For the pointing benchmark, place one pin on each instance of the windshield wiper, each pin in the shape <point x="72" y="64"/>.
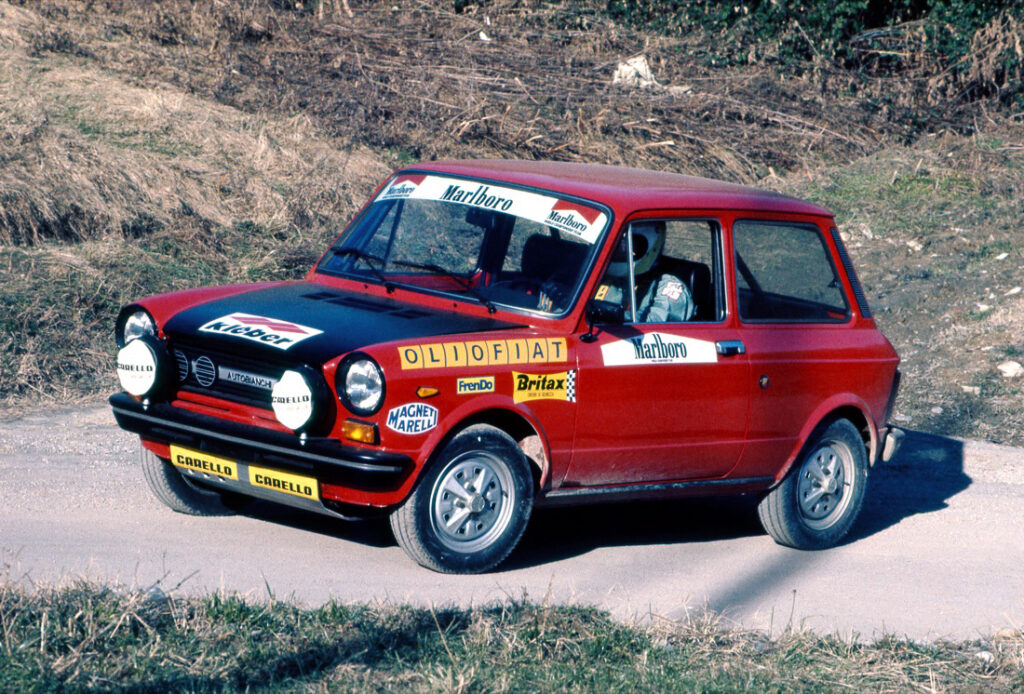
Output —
<point x="373" y="262"/>
<point x="466" y="284"/>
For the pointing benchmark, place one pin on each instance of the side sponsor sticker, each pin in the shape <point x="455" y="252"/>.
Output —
<point x="556" y="386"/>
<point x="296" y="485"/>
<point x="472" y="386"/>
<point x="533" y="350"/>
<point x="203" y="462"/>
<point x="412" y="418"/>
<point x="268" y="331"/>
<point x="658" y="348"/>
<point x="575" y="219"/>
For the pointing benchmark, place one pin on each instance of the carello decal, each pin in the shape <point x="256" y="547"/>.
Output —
<point x="658" y="348"/>
<point x="268" y="331"/>
<point x="472" y="386"/>
<point x="296" y="485"/>
<point x="532" y="350"/>
<point x="201" y="462"/>
<point x="412" y="418"/>
<point x="556" y="386"/>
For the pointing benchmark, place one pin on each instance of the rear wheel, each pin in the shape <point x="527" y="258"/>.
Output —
<point x="471" y="506"/>
<point x="177" y="492"/>
<point x="821" y="497"/>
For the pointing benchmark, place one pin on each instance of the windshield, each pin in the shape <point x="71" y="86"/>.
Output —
<point x="480" y="242"/>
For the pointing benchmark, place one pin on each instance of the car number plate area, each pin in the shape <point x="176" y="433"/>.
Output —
<point x="204" y="462"/>
<point x="296" y="485"/>
<point x="265" y="478"/>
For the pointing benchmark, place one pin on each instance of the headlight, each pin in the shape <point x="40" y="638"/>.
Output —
<point x="132" y="324"/>
<point x="360" y="384"/>
<point x="140" y="366"/>
<point x="292" y="400"/>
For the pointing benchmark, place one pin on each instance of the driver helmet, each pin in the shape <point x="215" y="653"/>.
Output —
<point x="648" y="242"/>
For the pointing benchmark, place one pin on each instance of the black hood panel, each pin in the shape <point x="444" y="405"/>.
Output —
<point x="311" y="323"/>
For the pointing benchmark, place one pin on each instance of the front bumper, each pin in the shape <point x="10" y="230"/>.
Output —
<point x="326" y="459"/>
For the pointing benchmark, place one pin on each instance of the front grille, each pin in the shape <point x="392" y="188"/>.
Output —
<point x="226" y="375"/>
<point x="205" y="371"/>
<point x="183" y="365"/>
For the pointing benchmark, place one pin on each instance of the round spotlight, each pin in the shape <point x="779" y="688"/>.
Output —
<point x="292" y="400"/>
<point x="138" y="367"/>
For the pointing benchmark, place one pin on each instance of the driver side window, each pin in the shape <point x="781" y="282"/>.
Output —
<point x="674" y="276"/>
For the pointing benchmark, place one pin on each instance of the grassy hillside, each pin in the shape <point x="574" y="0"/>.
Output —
<point x="151" y="147"/>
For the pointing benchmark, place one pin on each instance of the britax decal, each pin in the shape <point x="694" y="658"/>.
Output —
<point x="556" y="386"/>
<point x="578" y="220"/>
<point x="658" y="348"/>
<point x="533" y="350"/>
<point x="268" y="331"/>
<point x="412" y="418"/>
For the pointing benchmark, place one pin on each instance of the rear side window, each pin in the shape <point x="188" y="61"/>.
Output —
<point x="784" y="274"/>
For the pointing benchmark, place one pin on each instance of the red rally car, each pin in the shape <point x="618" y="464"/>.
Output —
<point x="490" y="336"/>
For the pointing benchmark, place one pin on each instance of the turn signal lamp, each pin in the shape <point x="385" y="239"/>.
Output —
<point x="363" y="432"/>
<point x="426" y="391"/>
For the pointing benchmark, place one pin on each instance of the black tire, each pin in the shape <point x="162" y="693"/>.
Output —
<point x="819" y="500"/>
<point x="447" y="524"/>
<point x="176" y="492"/>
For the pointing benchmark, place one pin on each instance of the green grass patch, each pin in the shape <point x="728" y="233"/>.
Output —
<point x="86" y="637"/>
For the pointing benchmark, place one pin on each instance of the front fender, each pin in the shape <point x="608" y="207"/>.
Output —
<point x="839" y="405"/>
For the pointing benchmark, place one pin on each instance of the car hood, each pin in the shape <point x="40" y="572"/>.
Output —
<point x="309" y="322"/>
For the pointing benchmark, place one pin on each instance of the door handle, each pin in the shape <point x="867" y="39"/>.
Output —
<point x="729" y="348"/>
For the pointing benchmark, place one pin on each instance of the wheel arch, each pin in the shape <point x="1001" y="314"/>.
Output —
<point x="527" y="434"/>
<point x="850" y="409"/>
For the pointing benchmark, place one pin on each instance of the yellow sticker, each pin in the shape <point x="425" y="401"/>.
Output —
<point x="534" y="350"/>
<point x="602" y="292"/>
<point x="556" y="386"/>
<point x="296" y="485"/>
<point x="203" y="462"/>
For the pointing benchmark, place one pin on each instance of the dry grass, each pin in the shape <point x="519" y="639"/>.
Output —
<point x="83" y="637"/>
<point x="86" y="153"/>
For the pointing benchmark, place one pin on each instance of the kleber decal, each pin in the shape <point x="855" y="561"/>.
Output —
<point x="530" y="350"/>
<point x="658" y="348"/>
<point x="268" y="331"/>
<point x="556" y="386"/>
<point x="413" y="418"/>
<point x="575" y="219"/>
<point x="472" y="386"/>
<point x="296" y="485"/>
<point x="203" y="462"/>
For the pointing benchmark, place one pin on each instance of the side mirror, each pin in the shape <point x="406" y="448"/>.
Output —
<point x="602" y="312"/>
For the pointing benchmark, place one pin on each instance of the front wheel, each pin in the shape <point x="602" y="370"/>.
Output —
<point x="471" y="506"/>
<point x="178" y="493"/>
<point x="821" y="497"/>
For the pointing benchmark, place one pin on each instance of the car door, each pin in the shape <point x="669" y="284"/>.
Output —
<point x="662" y="396"/>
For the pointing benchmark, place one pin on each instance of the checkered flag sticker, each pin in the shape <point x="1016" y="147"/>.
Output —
<point x="570" y="386"/>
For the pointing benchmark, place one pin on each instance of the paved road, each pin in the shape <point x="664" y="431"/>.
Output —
<point x="939" y="552"/>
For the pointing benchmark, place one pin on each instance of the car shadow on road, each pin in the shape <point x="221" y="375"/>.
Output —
<point x="926" y="473"/>
<point x="928" y="470"/>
